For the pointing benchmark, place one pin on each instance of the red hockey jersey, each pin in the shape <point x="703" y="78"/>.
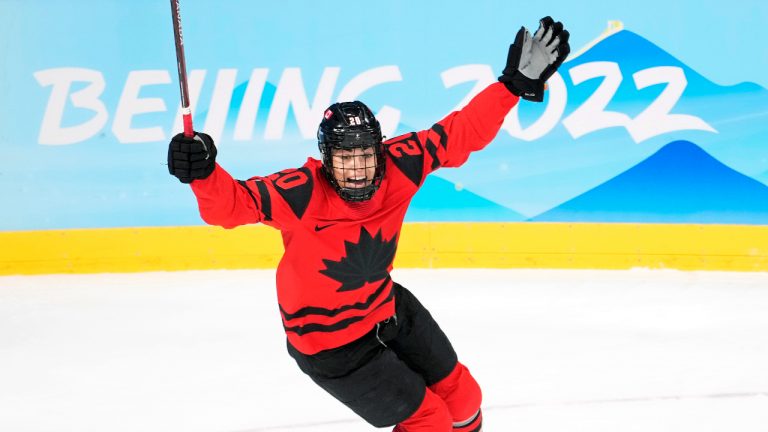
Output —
<point x="333" y="282"/>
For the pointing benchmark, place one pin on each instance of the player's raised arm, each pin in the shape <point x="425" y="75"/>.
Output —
<point x="531" y="60"/>
<point x="221" y="199"/>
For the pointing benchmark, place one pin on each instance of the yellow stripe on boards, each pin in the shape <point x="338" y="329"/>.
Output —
<point x="138" y="249"/>
<point x="422" y="245"/>
<point x="587" y="245"/>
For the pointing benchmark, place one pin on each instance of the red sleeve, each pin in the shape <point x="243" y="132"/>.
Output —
<point x="278" y="200"/>
<point x="449" y="142"/>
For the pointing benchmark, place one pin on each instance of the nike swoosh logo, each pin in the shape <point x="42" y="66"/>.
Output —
<point x="320" y="228"/>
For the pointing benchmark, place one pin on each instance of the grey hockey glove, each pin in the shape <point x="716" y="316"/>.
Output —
<point x="191" y="158"/>
<point x="532" y="60"/>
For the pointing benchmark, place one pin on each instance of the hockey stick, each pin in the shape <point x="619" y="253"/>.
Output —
<point x="186" y="111"/>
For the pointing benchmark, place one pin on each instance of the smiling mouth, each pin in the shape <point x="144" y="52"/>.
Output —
<point x="357" y="183"/>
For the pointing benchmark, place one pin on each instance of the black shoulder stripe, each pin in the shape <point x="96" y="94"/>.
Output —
<point x="432" y="148"/>
<point x="296" y="189"/>
<point x="266" y="200"/>
<point x="407" y="155"/>
<point x="440" y="131"/>
<point x="250" y="193"/>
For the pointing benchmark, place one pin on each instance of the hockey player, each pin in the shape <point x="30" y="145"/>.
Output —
<point x="358" y="334"/>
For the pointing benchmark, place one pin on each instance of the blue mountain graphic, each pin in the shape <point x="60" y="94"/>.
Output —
<point x="558" y="166"/>
<point x="439" y="200"/>
<point x="763" y="177"/>
<point x="679" y="183"/>
<point x="634" y="52"/>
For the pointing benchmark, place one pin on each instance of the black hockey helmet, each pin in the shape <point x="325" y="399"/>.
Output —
<point x="350" y="126"/>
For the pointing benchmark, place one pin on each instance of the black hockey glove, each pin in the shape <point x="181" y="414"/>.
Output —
<point x="532" y="60"/>
<point x="191" y="158"/>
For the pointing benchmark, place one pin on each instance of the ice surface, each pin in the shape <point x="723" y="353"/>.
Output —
<point x="596" y="351"/>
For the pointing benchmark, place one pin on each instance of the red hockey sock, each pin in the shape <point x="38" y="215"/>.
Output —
<point x="473" y="424"/>
<point x="432" y="416"/>
<point x="462" y="395"/>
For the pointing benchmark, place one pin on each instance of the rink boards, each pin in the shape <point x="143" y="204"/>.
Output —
<point x="422" y="245"/>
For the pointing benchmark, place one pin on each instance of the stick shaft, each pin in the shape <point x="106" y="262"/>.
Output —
<point x="186" y="111"/>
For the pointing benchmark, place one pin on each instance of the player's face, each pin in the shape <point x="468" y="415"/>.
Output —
<point x="354" y="168"/>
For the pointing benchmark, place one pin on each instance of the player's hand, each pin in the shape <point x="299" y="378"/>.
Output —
<point x="532" y="60"/>
<point x="191" y="158"/>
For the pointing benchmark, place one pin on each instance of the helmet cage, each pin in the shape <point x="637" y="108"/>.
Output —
<point x="350" y="126"/>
